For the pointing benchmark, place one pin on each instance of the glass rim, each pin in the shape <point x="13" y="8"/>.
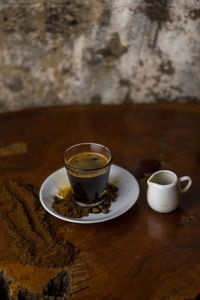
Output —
<point x="83" y="170"/>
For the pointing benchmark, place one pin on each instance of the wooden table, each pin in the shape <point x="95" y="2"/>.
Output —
<point x="141" y="254"/>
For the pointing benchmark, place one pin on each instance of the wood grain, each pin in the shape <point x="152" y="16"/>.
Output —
<point x="141" y="254"/>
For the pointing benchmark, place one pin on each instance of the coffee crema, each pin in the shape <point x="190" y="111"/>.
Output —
<point x="88" y="161"/>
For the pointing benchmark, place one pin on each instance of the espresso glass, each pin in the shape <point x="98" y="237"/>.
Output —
<point x="88" y="186"/>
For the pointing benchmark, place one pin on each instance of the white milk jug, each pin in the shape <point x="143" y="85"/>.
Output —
<point x="164" y="190"/>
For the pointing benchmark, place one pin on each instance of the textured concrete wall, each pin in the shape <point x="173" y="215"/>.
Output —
<point x="98" y="51"/>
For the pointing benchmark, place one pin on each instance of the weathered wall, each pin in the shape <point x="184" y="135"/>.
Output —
<point x="98" y="51"/>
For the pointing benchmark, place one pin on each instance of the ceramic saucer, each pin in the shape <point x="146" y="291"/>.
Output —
<point x="128" y="192"/>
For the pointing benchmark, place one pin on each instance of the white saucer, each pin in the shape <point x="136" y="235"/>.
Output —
<point x="127" y="194"/>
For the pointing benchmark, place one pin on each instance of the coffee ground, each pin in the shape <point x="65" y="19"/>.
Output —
<point x="67" y="206"/>
<point x="30" y="235"/>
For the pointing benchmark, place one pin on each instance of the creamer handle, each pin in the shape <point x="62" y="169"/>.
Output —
<point x="185" y="178"/>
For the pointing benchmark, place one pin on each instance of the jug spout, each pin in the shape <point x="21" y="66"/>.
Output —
<point x="151" y="179"/>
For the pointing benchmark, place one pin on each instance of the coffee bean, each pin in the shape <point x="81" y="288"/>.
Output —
<point x="105" y="210"/>
<point x="95" y="210"/>
<point x="106" y="202"/>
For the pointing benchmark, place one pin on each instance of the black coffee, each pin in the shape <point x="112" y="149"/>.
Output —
<point x="88" y="186"/>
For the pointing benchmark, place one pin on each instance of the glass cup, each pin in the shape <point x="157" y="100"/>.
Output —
<point x="88" y="186"/>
